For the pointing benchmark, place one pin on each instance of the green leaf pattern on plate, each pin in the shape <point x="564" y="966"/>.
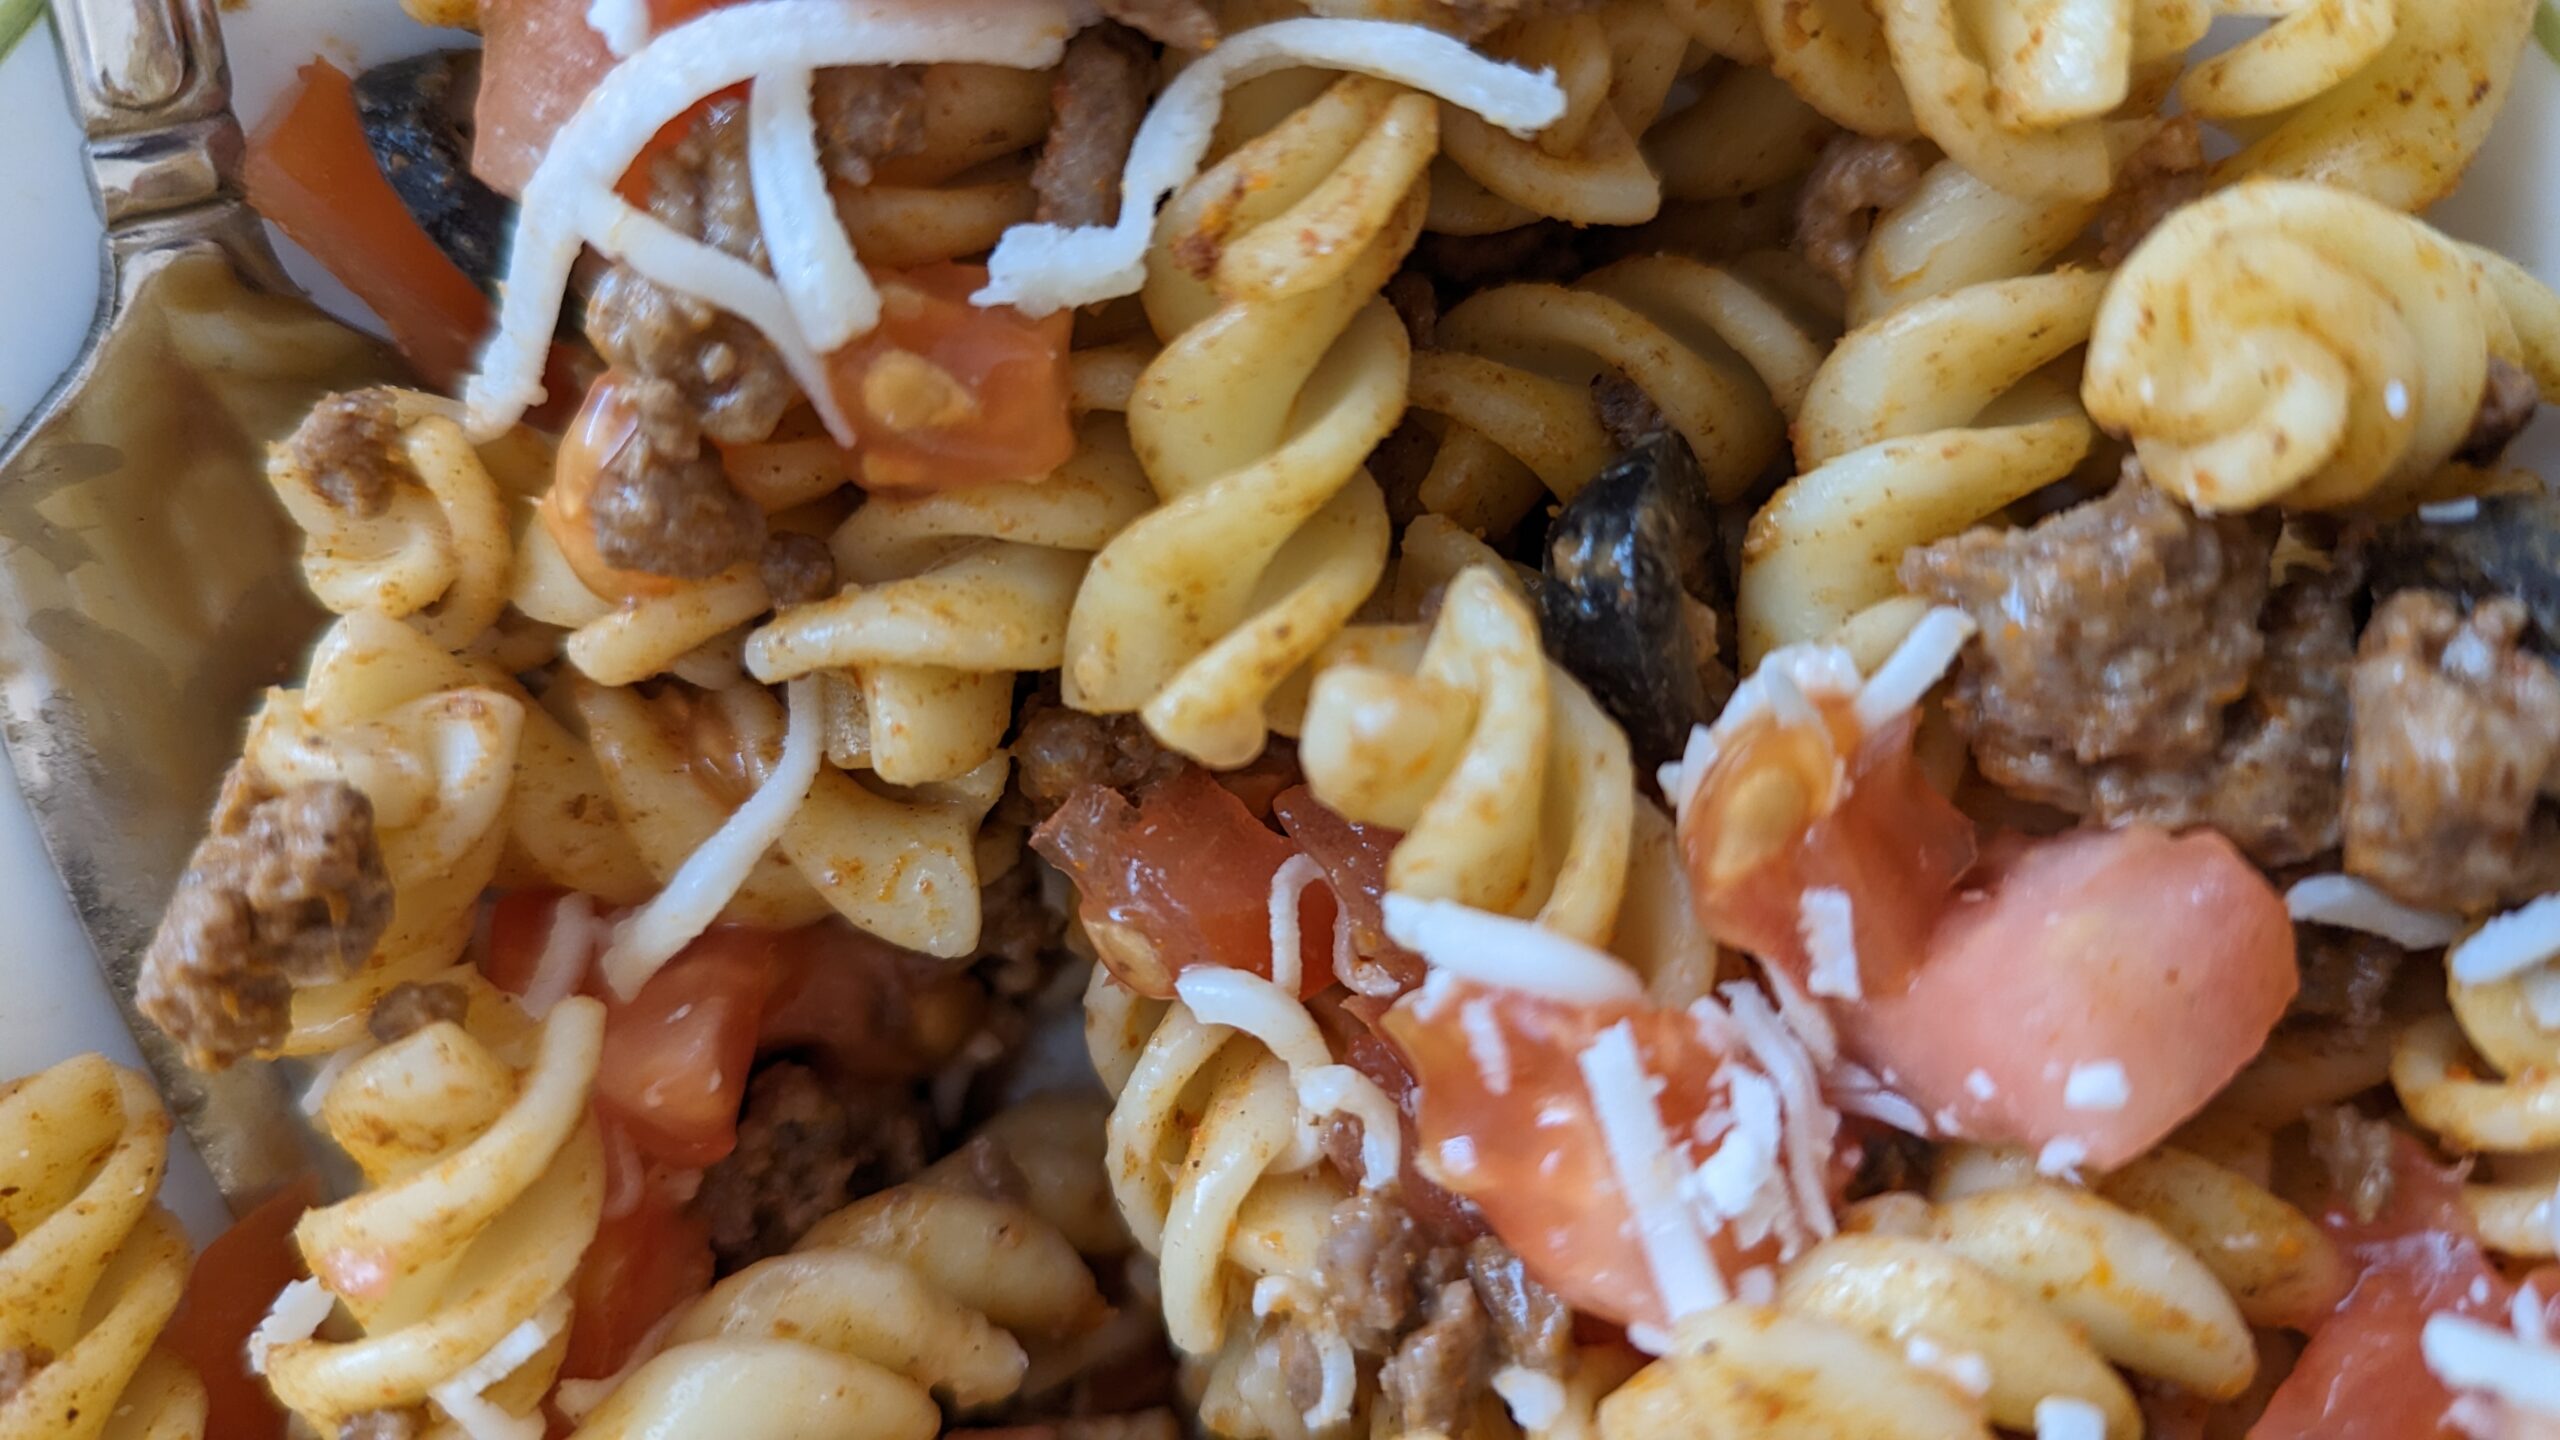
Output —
<point x="18" y="16"/>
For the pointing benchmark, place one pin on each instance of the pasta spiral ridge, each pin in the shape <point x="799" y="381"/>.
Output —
<point x="1723" y="351"/>
<point x="2510" y="1114"/>
<point x="1616" y="66"/>
<point x="97" y="1266"/>
<point x="900" y="862"/>
<point x="919" y="1291"/>
<point x="949" y="595"/>
<point x="380" y="709"/>
<point x="1920" y="424"/>
<point x="625" y="641"/>
<point x="432" y="549"/>
<point x="1282" y="372"/>
<point x="2282" y="342"/>
<point x="484" y="1184"/>
<point x="1944" y="1319"/>
<point x="1515" y="791"/>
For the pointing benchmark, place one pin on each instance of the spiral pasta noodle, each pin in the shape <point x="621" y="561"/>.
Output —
<point x="1616" y="66"/>
<point x="917" y="1292"/>
<point x="1284" y="369"/>
<point x="484" y="1183"/>
<point x="1919" y="425"/>
<point x="966" y="176"/>
<point x="1513" y="788"/>
<point x="2284" y="342"/>
<point x="951" y="594"/>
<point x="627" y="641"/>
<point x="2506" y="1113"/>
<point x="1724" y="352"/>
<point x="409" y="519"/>
<point x="437" y="760"/>
<point x="96" y="1266"/>
<point x="1945" y="1319"/>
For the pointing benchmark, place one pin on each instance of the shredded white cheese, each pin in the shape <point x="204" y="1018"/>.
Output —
<point x="567" y="947"/>
<point x="2067" y="1417"/>
<point x="2468" y="1355"/>
<point x="1288" y="884"/>
<point x="624" y="24"/>
<point x="1780" y="685"/>
<point x="1511" y="954"/>
<point x="570" y="201"/>
<point x="2096" y="1085"/>
<point x="1045" y="268"/>
<point x="1809" y="1124"/>
<point x="1648" y="1172"/>
<point x="2511" y="944"/>
<point x="1248" y="1003"/>
<point x="2062" y="1158"/>
<point x="463" y="1396"/>
<point x="1485" y="1044"/>
<point x="1534" y="1397"/>
<point x="1857" y="1091"/>
<point x="1979" y="1084"/>
<point x="1968" y="1370"/>
<point x="1916" y="665"/>
<point x="2348" y="903"/>
<point x="702" y="885"/>
<point x="316" y="1094"/>
<point x="832" y="300"/>
<point x="2450" y="512"/>
<point x="300" y="1309"/>
<point x="1827" y="925"/>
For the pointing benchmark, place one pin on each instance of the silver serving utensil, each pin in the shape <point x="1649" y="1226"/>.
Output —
<point x="150" y="587"/>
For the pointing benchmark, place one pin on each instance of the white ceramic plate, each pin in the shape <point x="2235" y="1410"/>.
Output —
<point x="54" y="1004"/>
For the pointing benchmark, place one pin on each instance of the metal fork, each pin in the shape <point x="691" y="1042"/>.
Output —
<point x="149" y="584"/>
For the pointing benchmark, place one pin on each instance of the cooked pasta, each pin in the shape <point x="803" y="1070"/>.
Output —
<point x="1281" y="370"/>
<point x="484" y="1182"/>
<point x="94" y="1266"/>
<point x="2503" y="1114"/>
<point x="1616" y="66"/>
<point x="2285" y="342"/>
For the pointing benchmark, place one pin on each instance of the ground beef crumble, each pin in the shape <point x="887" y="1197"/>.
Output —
<point x="1626" y="412"/>
<point x="18" y="1366"/>
<point x="2508" y="399"/>
<point x="797" y="568"/>
<point x="287" y="888"/>
<point x="1058" y="751"/>
<point x="2346" y="977"/>
<point x="1099" y="97"/>
<point x="384" y="1425"/>
<point x="408" y="1008"/>
<point x="349" y="446"/>
<point x="805" y="1150"/>
<point x="2454" y="757"/>
<point x="1857" y="177"/>
<point x="2164" y="172"/>
<point x="866" y="114"/>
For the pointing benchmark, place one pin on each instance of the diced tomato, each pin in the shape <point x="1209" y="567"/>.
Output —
<point x="2363" y="1377"/>
<point x="605" y="423"/>
<point x="519" y="927"/>
<point x="1354" y="858"/>
<point x="2165" y="959"/>
<point x="1518" y="1134"/>
<point x="641" y="1265"/>
<point x="876" y="1012"/>
<point x="539" y="58"/>
<point x="309" y="170"/>
<point x="1181" y="878"/>
<point x="228" y="1292"/>
<point x="944" y="393"/>
<point x="1778" y="817"/>
<point x="676" y="1057"/>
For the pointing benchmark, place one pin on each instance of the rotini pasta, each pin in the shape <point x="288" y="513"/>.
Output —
<point x="93" y="1266"/>
<point x="1616" y="66"/>
<point x="484" y="1184"/>
<point x="2504" y="1114"/>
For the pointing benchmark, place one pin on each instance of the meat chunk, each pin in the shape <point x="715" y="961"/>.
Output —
<point x="408" y="1008"/>
<point x="2164" y="172"/>
<point x="2507" y="402"/>
<point x="1183" y="24"/>
<point x="1368" y="1270"/>
<point x="2119" y="629"/>
<point x="2346" y="976"/>
<point x="2274" y="783"/>
<point x="2356" y="1153"/>
<point x="18" y="1365"/>
<point x="1432" y="1382"/>
<point x="797" y="568"/>
<point x="383" y="1425"/>
<point x="1532" y="1326"/>
<point x="1626" y="412"/>
<point x="866" y="114"/>
<point x="348" y="445"/>
<point x="662" y="504"/>
<point x="805" y="1151"/>
<point x="1099" y="98"/>
<point x="1856" y="177"/>
<point x="1059" y="751"/>
<point x="1416" y="304"/>
<point x="287" y="889"/>
<point x="2456" y="740"/>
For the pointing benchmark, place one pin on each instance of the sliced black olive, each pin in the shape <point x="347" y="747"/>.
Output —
<point x="2508" y="545"/>
<point x="416" y="115"/>
<point x="1623" y="562"/>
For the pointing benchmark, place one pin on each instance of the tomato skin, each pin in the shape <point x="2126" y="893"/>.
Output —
<point x="676" y="1056"/>
<point x="1532" y="1155"/>
<point x="1874" y="830"/>
<point x="1354" y="859"/>
<point x="640" y="1266"/>
<point x="228" y="1291"/>
<point x="1007" y="419"/>
<point x="873" y="1012"/>
<point x="1181" y="878"/>
<point x="2171" y="957"/>
<point x="539" y="59"/>
<point x="308" y="169"/>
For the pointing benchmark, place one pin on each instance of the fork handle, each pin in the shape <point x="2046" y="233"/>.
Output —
<point x="154" y="96"/>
